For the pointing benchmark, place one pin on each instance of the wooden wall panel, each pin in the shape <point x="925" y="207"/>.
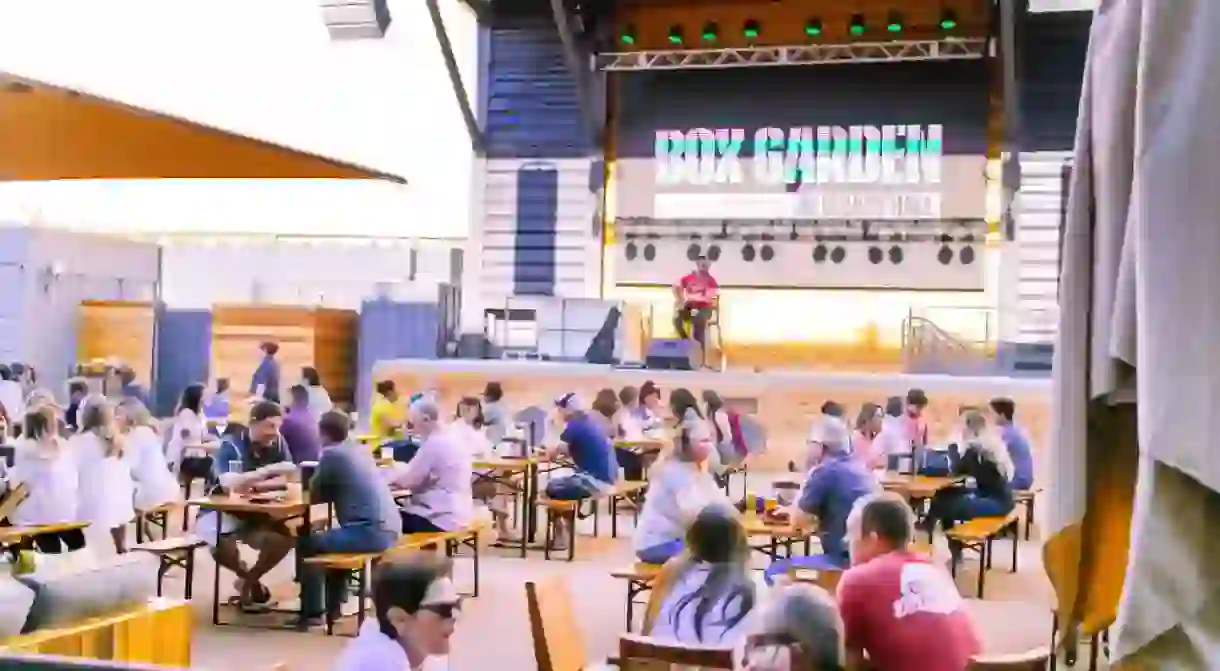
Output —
<point x="786" y="402"/>
<point x="119" y="330"/>
<point x="783" y="22"/>
<point x="324" y="339"/>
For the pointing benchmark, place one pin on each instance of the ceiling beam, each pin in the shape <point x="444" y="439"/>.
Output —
<point x="477" y="140"/>
<point x="577" y="64"/>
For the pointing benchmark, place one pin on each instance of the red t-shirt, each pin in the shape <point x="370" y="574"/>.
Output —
<point x="698" y="289"/>
<point x="907" y="615"/>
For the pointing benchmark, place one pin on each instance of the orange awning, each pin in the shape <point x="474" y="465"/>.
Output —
<point x="51" y="133"/>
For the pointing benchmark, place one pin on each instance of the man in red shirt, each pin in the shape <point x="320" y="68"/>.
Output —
<point x="898" y="608"/>
<point x="694" y="298"/>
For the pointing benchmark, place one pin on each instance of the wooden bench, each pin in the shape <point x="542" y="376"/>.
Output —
<point x="977" y="535"/>
<point x="361" y="563"/>
<point x="559" y="509"/>
<point x="157" y="516"/>
<point x="726" y="478"/>
<point x="157" y="632"/>
<point x="171" y="552"/>
<point x="1027" y="498"/>
<point x="639" y="578"/>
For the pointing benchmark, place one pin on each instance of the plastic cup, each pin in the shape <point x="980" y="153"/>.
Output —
<point x="235" y="466"/>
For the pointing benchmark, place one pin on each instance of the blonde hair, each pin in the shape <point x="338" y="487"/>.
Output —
<point x="136" y="414"/>
<point x="975" y="433"/>
<point x="40" y="422"/>
<point x="40" y="397"/>
<point x="97" y="416"/>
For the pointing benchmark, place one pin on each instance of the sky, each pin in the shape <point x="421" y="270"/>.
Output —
<point x="269" y="70"/>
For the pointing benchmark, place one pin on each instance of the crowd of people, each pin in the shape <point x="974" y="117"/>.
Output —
<point x="100" y="461"/>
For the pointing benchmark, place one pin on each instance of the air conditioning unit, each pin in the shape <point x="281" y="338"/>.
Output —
<point x="356" y="19"/>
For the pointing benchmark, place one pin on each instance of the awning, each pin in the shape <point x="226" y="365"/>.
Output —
<point x="52" y="133"/>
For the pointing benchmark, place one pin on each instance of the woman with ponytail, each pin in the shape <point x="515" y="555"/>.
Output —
<point x="107" y="486"/>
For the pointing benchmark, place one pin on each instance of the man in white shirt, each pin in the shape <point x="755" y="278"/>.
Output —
<point x="438" y="477"/>
<point x="12" y="399"/>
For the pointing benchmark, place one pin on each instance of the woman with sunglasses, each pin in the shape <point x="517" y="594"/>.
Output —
<point x="416" y="606"/>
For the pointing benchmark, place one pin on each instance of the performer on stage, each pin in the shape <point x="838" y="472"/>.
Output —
<point x="694" y="296"/>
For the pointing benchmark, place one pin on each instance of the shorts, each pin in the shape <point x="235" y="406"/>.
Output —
<point x="574" y="487"/>
<point x="244" y="531"/>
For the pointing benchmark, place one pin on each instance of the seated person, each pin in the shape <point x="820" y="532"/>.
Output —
<point x="438" y="477"/>
<point x="1003" y="410"/>
<point x="830" y="411"/>
<point x="831" y="489"/>
<point x="892" y="443"/>
<point x="708" y="593"/>
<point x="594" y="467"/>
<point x="695" y="298"/>
<point x="901" y="610"/>
<point x="78" y="390"/>
<point x="300" y="428"/>
<point x="868" y="427"/>
<point x="798" y="628"/>
<point x="251" y="461"/>
<point x="495" y="413"/>
<point x="991" y="494"/>
<point x="678" y="491"/>
<point x="386" y="417"/>
<point x="415" y="605"/>
<point x="218" y="405"/>
<point x="346" y="477"/>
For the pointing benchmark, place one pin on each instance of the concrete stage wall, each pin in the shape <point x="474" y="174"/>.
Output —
<point x="785" y="402"/>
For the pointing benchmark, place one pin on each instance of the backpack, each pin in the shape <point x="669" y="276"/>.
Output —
<point x="749" y="435"/>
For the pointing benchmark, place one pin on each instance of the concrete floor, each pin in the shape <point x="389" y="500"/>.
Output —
<point x="493" y="631"/>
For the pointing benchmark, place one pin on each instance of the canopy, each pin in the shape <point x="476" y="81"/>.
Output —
<point x="51" y="133"/>
<point x="1136" y="490"/>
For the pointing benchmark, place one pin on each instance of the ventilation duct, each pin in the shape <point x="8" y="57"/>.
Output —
<point x="356" y="19"/>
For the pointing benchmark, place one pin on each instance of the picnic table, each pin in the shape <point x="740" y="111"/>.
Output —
<point x="776" y="534"/>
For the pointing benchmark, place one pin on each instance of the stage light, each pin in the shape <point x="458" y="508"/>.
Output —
<point x="857" y="24"/>
<point x="893" y="22"/>
<point x="631" y="251"/>
<point x="628" y="35"/>
<point x="710" y="32"/>
<point x="650" y="252"/>
<point x="966" y="255"/>
<point x="945" y="255"/>
<point x="948" y="19"/>
<point x="747" y="253"/>
<point x="693" y="252"/>
<point x="767" y="253"/>
<point x="813" y="27"/>
<point x="895" y="255"/>
<point x="675" y="35"/>
<point x="820" y="253"/>
<point x="874" y="255"/>
<point x="713" y="253"/>
<point x="837" y="255"/>
<point x="751" y="29"/>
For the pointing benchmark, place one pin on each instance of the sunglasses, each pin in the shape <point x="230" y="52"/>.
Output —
<point x="445" y="611"/>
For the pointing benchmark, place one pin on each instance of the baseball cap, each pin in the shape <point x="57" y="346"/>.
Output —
<point x="570" y="401"/>
<point x="833" y="435"/>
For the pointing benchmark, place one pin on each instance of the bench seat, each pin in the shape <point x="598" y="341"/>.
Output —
<point x="639" y="577"/>
<point x="978" y="534"/>
<point x="569" y="508"/>
<point x="176" y="551"/>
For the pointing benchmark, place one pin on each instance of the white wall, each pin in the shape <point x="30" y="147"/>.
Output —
<point x="267" y="69"/>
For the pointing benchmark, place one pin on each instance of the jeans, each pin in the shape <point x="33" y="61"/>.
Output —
<point x="699" y="317"/>
<point x="661" y="553"/>
<point x="959" y="504"/>
<point x="1025" y="482"/>
<point x="314" y="582"/>
<point x="812" y="562"/>
<point x="573" y="487"/>
<point x="632" y="463"/>
<point x="417" y="524"/>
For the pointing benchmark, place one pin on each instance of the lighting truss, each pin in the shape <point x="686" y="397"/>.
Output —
<point x="905" y="230"/>
<point x="805" y="54"/>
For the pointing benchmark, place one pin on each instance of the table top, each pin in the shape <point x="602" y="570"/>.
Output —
<point x="16" y="534"/>
<point x="210" y="448"/>
<point x="241" y="504"/>
<point x="916" y="484"/>
<point x="641" y="444"/>
<point x="755" y="526"/>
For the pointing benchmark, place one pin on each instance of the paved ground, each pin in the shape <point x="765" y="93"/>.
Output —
<point x="494" y="630"/>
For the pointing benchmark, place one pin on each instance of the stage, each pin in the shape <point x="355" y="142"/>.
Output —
<point x="784" y="401"/>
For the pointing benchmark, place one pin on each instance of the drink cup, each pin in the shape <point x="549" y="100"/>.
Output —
<point x="235" y="466"/>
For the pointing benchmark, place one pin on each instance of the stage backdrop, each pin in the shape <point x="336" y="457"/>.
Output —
<point x="787" y="157"/>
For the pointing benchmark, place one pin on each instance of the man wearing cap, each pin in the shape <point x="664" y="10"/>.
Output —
<point x="595" y="468"/>
<point x="830" y="491"/>
<point x="694" y="298"/>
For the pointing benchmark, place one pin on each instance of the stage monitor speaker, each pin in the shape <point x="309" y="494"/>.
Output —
<point x="672" y="354"/>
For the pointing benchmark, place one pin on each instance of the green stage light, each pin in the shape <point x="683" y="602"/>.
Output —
<point x="751" y="29"/>
<point x="710" y="32"/>
<point x="628" y="35"/>
<point x="893" y="22"/>
<point x="857" y="24"/>
<point x="813" y="27"/>
<point x="948" y="19"/>
<point x="675" y="35"/>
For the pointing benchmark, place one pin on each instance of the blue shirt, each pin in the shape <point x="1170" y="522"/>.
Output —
<point x="591" y="449"/>
<point x="829" y="494"/>
<point x="237" y="448"/>
<point x="1020" y="454"/>
<point x="268" y="375"/>
<point x="348" y="477"/>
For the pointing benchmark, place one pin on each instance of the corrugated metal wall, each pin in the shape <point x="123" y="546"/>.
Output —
<point x="1053" y="53"/>
<point x="184" y="350"/>
<point x="392" y="330"/>
<point x="539" y="231"/>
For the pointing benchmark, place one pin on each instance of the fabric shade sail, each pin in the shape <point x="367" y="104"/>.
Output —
<point x="1136" y="491"/>
<point x="52" y="133"/>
